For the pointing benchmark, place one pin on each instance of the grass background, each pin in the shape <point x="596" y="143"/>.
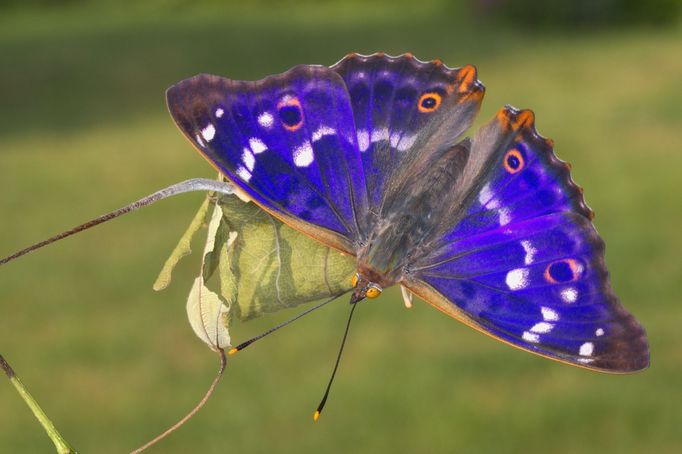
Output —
<point x="83" y="129"/>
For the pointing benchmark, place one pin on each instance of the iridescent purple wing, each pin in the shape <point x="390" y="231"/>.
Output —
<point x="402" y="108"/>
<point x="287" y="142"/>
<point x="523" y="262"/>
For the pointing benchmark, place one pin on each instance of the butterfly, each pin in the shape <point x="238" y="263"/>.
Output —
<point x="367" y="157"/>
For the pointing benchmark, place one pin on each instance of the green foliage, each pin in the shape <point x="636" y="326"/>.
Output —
<point x="263" y="266"/>
<point x="276" y="267"/>
<point x="183" y="248"/>
<point x="579" y="14"/>
<point x="208" y="313"/>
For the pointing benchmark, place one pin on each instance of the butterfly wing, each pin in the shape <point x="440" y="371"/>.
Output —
<point x="288" y="142"/>
<point x="523" y="262"/>
<point x="404" y="108"/>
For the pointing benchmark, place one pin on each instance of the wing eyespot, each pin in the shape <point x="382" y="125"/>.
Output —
<point x="562" y="271"/>
<point x="429" y="102"/>
<point x="290" y="113"/>
<point x="513" y="161"/>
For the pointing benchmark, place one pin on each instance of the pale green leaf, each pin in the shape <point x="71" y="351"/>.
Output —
<point x="183" y="247"/>
<point x="208" y="316"/>
<point x="218" y="239"/>
<point x="270" y="266"/>
<point x="213" y="242"/>
<point x="207" y="312"/>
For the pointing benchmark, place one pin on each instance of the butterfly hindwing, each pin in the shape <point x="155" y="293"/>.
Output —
<point x="287" y="141"/>
<point x="523" y="262"/>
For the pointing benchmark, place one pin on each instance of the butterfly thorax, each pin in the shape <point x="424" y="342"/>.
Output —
<point x="411" y="215"/>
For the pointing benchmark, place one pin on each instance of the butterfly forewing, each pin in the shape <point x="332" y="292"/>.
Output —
<point x="287" y="141"/>
<point x="405" y="109"/>
<point x="523" y="262"/>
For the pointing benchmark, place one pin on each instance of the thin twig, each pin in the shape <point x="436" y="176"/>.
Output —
<point x="196" y="184"/>
<point x="177" y="425"/>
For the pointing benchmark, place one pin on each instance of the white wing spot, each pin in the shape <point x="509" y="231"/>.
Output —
<point x="530" y="337"/>
<point x="486" y="199"/>
<point x="569" y="295"/>
<point x="208" y="133"/>
<point x="199" y="140"/>
<point x="257" y="145"/>
<point x="406" y="142"/>
<point x="542" y="327"/>
<point x="395" y="139"/>
<point x="505" y="216"/>
<point x="530" y="251"/>
<point x="599" y="332"/>
<point x="303" y="155"/>
<point x="323" y="131"/>
<point x="586" y="349"/>
<point x="248" y="159"/>
<point x="517" y="279"/>
<point x="265" y="120"/>
<point x="549" y="315"/>
<point x="379" y="134"/>
<point x="363" y="140"/>
<point x="219" y="112"/>
<point x="243" y="173"/>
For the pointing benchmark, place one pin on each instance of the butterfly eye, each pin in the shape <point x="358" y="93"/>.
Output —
<point x="290" y="113"/>
<point x="566" y="270"/>
<point x="513" y="161"/>
<point x="354" y="280"/>
<point x="373" y="292"/>
<point x="428" y="102"/>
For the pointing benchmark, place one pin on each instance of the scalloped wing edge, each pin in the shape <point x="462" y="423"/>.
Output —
<point x="465" y="78"/>
<point x="522" y="121"/>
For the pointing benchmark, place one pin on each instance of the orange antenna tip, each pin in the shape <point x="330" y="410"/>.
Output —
<point x="233" y="351"/>
<point x="316" y="415"/>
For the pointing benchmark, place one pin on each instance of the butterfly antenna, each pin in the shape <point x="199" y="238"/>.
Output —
<point x="196" y="184"/>
<point x="317" y="413"/>
<point x="243" y="345"/>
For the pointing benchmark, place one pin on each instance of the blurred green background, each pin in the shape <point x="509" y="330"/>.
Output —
<point x="84" y="129"/>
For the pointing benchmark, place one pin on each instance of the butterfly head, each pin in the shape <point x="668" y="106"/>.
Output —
<point x="364" y="288"/>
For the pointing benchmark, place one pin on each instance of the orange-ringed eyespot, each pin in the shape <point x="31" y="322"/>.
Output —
<point x="428" y="102"/>
<point x="513" y="161"/>
<point x="561" y="271"/>
<point x="290" y="113"/>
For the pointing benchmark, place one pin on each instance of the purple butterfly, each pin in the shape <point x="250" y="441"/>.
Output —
<point x="366" y="157"/>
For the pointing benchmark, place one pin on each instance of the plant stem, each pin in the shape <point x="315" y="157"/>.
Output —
<point x="194" y="411"/>
<point x="59" y="442"/>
